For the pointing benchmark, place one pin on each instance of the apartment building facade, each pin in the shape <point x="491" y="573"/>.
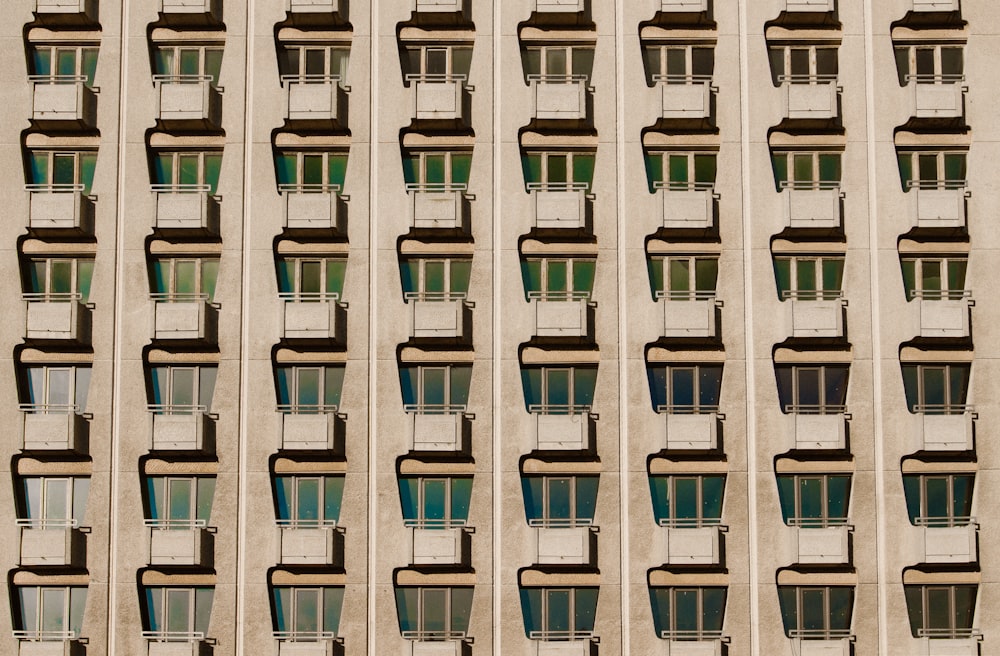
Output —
<point x="454" y="327"/>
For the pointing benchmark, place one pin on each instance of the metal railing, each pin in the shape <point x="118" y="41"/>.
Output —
<point x="560" y="522"/>
<point x="690" y="635"/>
<point x="50" y="408"/>
<point x="436" y="78"/>
<point x="936" y="184"/>
<point x="945" y="522"/>
<point x="178" y="188"/>
<point x="169" y="78"/>
<point x="956" y="633"/>
<point x="682" y="79"/>
<point x="812" y="294"/>
<point x="435" y="636"/>
<point x="45" y="636"/>
<point x="51" y="297"/>
<point x="306" y="523"/>
<point x="174" y="524"/>
<point x="436" y="187"/>
<point x="61" y="522"/>
<point x="682" y="185"/>
<point x="807" y="79"/>
<point x="941" y="294"/>
<point x="690" y="522"/>
<point x="58" y="79"/>
<point x="173" y="636"/>
<point x="309" y="297"/>
<point x="559" y="409"/>
<point x="177" y="297"/>
<point x="560" y="636"/>
<point x="820" y="634"/>
<point x="931" y="78"/>
<point x="687" y="409"/>
<point x="54" y="188"/>
<point x="685" y="295"/>
<point x="304" y="636"/>
<point x="434" y="296"/>
<point x="309" y="188"/>
<point x="434" y="523"/>
<point x="557" y="186"/>
<point x="435" y="408"/>
<point x="545" y="295"/>
<point x="810" y="185"/>
<point x="943" y="408"/>
<point x="557" y="78"/>
<point x="311" y="78"/>
<point x="820" y="522"/>
<point x="815" y="409"/>
<point x="177" y="409"/>
<point x="307" y="408"/>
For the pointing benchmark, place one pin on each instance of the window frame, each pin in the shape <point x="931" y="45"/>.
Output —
<point x="795" y="260"/>
<point x="418" y="54"/>
<point x="547" y="520"/>
<point x="700" y="520"/>
<point x="446" y="610"/>
<point x="543" y="184"/>
<point x="420" y="504"/>
<point x="941" y="156"/>
<point x="202" y="186"/>
<point x="701" y="633"/>
<point x="783" y="76"/>
<point x="420" y="282"/>
<point x="79" y="50"/>
<point x="824" y="520"/>
<point x="669" y="386"/>
<point x="952" y="631"/>
<point x="192" y="521"/>
<point x="311" y="187"/>
<point x="421" y="392"/>
<point x="692" y="183"/>
<point x="293" y="502"/>
<point x="79" y="183"/>
<point x="200" y="280"/>
<point x="449" y="185"/>
<point x="78" y="280"/>
<point x="293" y="381"/>
<point x="298" y="262"/>
<point x="203" y="75"/>
<point x="166" y="633"/>
<point x="74" y="506"/>
<point x="545" y="294"/>
<point x="566" y="76"/>
<point x="661" y="74"/>
<point x="825" y="633"/>
<point x="37" y="632"/>
<point x="666" y="293"/>
<point x="949" y="407"/>
<point x="949" y="520"/>
<point x="816" y="181"/>
<point x="197" y="393"/>
<point x="331" y="52"/>
<point x="910" y="74"/>
<point x="945" y="263"/>
<point x="78" y="384"/>
<point x="822" y="408"/>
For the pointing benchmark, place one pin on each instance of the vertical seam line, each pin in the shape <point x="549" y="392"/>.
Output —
<point x="375" y="37"/>
<point x="497" y="491"/>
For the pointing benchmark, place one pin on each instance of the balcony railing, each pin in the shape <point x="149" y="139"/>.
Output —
<point x="687" y="205"/>
<point x="62" y="98"/>
<point x="186" y="207"/>
<point x="559" y="97"/>
<point x="560" y="6"/>
<point x="437" y="427"/>
<point x="806" y="6"/>
<point x="184" y="98"/>
<point x="315" y="97"/>
<point x="812" y="204"/>
<point x="438" y="205"/>
<point x="561" y="427"/>
<point x="683" y="6"/>
<point x="53" y="427"/>
<point x="945" y="427"/>
<point x="313" y="6"/>
<point x="439" y="96"/>
<point x="936" y="5"/>
<point x="170" y="7"/>
<point x="86" y="7"/>
<point x="560" y="204"/>
<point x="59" y="207"/>
<point x="52" y="315"/>
<point x="939" y="203"/>
<point x="435" y="6"/>
<point x="685" y="96"/>
<point x="178" y="427"/>
<point x="810" y="96"/>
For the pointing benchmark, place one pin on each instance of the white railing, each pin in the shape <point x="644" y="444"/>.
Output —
<point x="558" y="409"/>
<point x="307" y="408"/>
<point x="433" y="635"/>
<point x="815" y="409"/>
<point x="689" y="522"/>
<point x="557" y="186"/>
<point x="177" y="409"/>
<point x="560" y="635"/>
<point x="558" y="522"/>
<point x="945" y="522"/>
<point x="62" y="522"/>
<point x="820" y="634"/>
<point x="310" y="188"/>
<point x="435" y="408"/>
<point x="49" y="408"/>
<point x="818" y="522"/>
<point x="434" y="523"/>
<point x="943" y="408"/>
<point x="174" y="524"/>
<point x="812" y="294"/>
<point x="434" y="296"/>
<point x="173" y="636"/>
<point x="688" y="409"/>
<point x="304" y="636"/>
<point x="45" y="636"/>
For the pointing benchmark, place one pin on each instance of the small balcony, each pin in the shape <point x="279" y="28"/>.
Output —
<point x="316" y="97"/>
<point x="437" y="543"/>
<point x="563" y="643"/>
<point x="812" y="204"/>
<point x="176" y="643"/>
<point x="87" y="8"/>
<point x="949" y="642"/>
<point x="564" y="545"/>
<point x="439" y="314"/>
<point x="59" y="207"/>
<point x="307" y="643"/>
<point x="819" y="543"/>
<point x="938" y="96"/>
<point x="57" y="316"/>
<point x="939" y="203"/>
<point x="692" y="542"/>
<point x="944" y="428"/>
<point x="181" y="428"/>
<point x="559" y="97"/>
<point x="563" y="427"/>
<point x="52" y="542"/>
<point x="310" y="542"/>
<point x="818" y="428"/>
<point x="440" y="97"/>
<point x="186" y="207"/>
<point x="936" y="5"/>
<point x="811" y="96"/>
<point x="310" y="427"/>
<point x="313" y="6"/>
<point x="63" y="99"/>
<point x="318" y="315"/>
<point x="313" y="207"/>
<point x="823" y="643"/>
<point x="687" y="205"/>
<point x="560" y="204"/>
<point x="438" y="6"/>
<point x="808" y="6"/>
<point x="438" y="205"/>
<point x="182" y="8"/>
<point x="685" y="96"/>
<point x="437" y="427"/>
<point x="180" y="542"/>
<point x="688" y="314"/>
<point x="693" y="643"/>
<point x="815" y="313"/>
<point x="52" y="427"/>
<point x="691" y="427"/>
<point x="188" y="99"/>
<point x="184" y="316"/>
<point x="49" y="643"/>
<point x="943" y="313"/>
<point x="683" y="6"/>
<point x="949" y="541"/>
<point x="436" y="646"/>
<point x="560" y="6"/>
<point x="570" y="314"/>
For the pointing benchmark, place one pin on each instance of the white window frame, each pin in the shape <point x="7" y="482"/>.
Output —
<point x="827" y="633"/>
<point x="824" y="520"/>
<point x="177" y="48"/>
<point x="44" y="494"/>
<point x="812" y="77"/>
<point x="47" y="295"/>
<point x="815" y="183"/>
<point x="167" y="634"/>
<point x="691" y="522"/>
<point x="422" y="185"/>
<point x="421" y="293"/>
<point x="36" y="632"/>
<point x="174" y="409"/>
<point x="941" y="182"/>
<point x="297" y="294"/>
<point x="544" y="294"/>
<point x="696" y="409"/>
<point x="698" y="634"/>
<point x="175" y="170"/>
<point x="661" y="76"/>
<point x="545" y="633"/>
<point x="796" y="391"/>
<point x="293" y="390"/>
<point x="564" y="76"/>
<point x="54" y="50"/>
<point x="951" y="407"/>
<point x="49" y="185"/>
<point x="421" y="521"/>
<point x="953" y="631"/>
<point x="192" y="520"/>
<point x="293" y="503"/>
<point x="945" y="263"/>
<point x="691" y="184"/>
<point x="692" y="293"/>
<point x="300" y="156"/>
<point x="72" y="393"/>
<point x="448" y="76"/>
<point x="171" y="294"/>
<point x="328" y="74"/>
<point x="546" y="520"/>
<point x="935" y="77"/>
<point x="798" y="259"/>
<point x="925" y="519"/>
<point x="544" y="184"/>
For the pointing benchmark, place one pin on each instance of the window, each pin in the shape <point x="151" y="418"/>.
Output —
<point x="431" y="389"/>
<point x="688" y="613"/>
<point x="182" y="389"/>
<point x="558" y="63"/>
<point x="311" y="278"/>
<point x="179" y="502"/>
<point x="434" y="279"/>
<point x="306" y="614"/>
<point x="675" y="171"/>
<point x="308" y="501"/>
<point x="560" y="501"/>
<point x="58" y="279"/>
<point x="305" y="389"/>
<point x="438" y="63"/>
<point x="56" y="389"/>
<point x="559" y="613"/>
<point x="932" y="170"/>
<point x="63" y="63"/>
<point x="685" y="389"/>
<point x="939" y="499"/>
<point x="941" y="611"/>
<point x="53" y="501"/>
<point x="814" y="500"/>
<point x="435" y="501"/>
<point x="49" y="611"/>
<point x="559" y="390"/>
<point x="803" y="64"/>
<point x="184" y="279"/>
<point x="558" y="279"/>
<point x="436" y="170"/>
<point x="809" y="277"/>
<point x="678" y="64"/>
<point x="683" y="277"/>
<point x="683" y="501"/>
<point x="936" y="389"/>
<point x="935" y="278"/>
<point x="187" y="63"/>
<point x="812" y="389"/>
<point x="314" y="63"/>
<point x="930" y="64"/>
<point x="433" y="613"/>
<point x="314" y="171"/>
<point x="552" y="171"/>
<point x="53" y="170"/>
<point x="186" y="171"/>
<point x="816" y="612"/>
<point x="176" y="613"/>
<point x="806" y="170"/>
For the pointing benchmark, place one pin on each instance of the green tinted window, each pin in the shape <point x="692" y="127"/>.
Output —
<point x="286" y="168"/>
<point x="654" y="167"/>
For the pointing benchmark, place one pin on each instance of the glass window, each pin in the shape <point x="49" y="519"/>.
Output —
<point x="56" y="389"/>
<point x="936" y="389"/>
<point x="558" y="63"/>
<point x="556" y="171"/>
<point x="555" y="614"/>
<point x="433" y="613"/>
<point x="432" y="389"/>
<point x="558" y="279"/>
<point x="688" y="613"/>
<point x="189" y="171"/>
<point x="814" y="500"/>
<point x="435" y="279"/>
<point x="932" y="170"/>
<point x="176" y="279"/>
<point x="53" y="501"/>
<point x="687" y="501"/>
<point x="437" y="171"/>
<point x="179" y="502"/>
<point x="438" y="63"/>
<point x="309" y="389"/>
<point x="939" y="499"/>
<point x="560" y="501"/>
<point x="63" y="62"/>
<point x="45" y="610"/>
<point x="188" y="62"/>
<point x="806" y="170"/>
<point x="311" y="278"/>
<point x="58" y="279"/>
<point x="803" y="64"/>
<point x="685" y="389"/>
<point x="559" y="390"/>
<point x="930" y="64"/>
<point x="311" y="63"/>
<point x="679" y="171"/>
<point x="177" y="612"/>
<point x="941" y="611"/>
<point x="437" y="502"/>
<point x="61" y="171"/>
<point x="182" y="390"/>
<point x="310" y="171"/>
<point x="678" y="64"/>
<point x="816" y="612"/>
<point x="809" y="277"/>
<point x="683" y="277"/>
<point x="935" y="278"/>
<point x="308" y="501"/>
<point x="812" y="389"/>
<point x="307" y="613"/>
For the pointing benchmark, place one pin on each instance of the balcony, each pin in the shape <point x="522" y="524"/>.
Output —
<point x="563" y="643"/>
<point x="307" y="643"/>
<point x="691" y="428"/>
<point x="63" y="99"/>
<point x="948" y="543"/>
<point x="190" y="7"/>
<point x="310" y="427"/>
<point x="937" y="96"/>
<point x="49" y="643"/>
<point x="313" y="207"/>
<point x="316" y="97"/>
<point x="811" y="96"/>
<point x="180" y="542"/>
<point x="827" y="643"/>
<point x="52" y="427"/>
<point x="560" y="204"/>
<point x="563" y="545"/>
<point x="943" y="313"/>
<point x="563" y="428"/>
<point x="685" y="96"/>
<point x="560" y="6"/>
<point x="687" y="205"/>
<point x="440" y="96"/>
<point x="88" y="8"/>
<point x="692" y="542"/>
<point x="569" y="314"/>
<point x="820" y="543"/>
<point x="438" y="205"/>
<point x="693" y="643"/>
<point x="688" y="314"/>
<point x="941" y="428"/>
<point x="176" y="643"/>
<point x="438" y="647"/>
<point x="806" y="6"/>
<point x="59" y="207"/>
<point x="310" y="542"/>
<point x="559" y="97"/>
<point x="950" y="643"/>
<point x="184" y="316"/>
<point x="815" y="313"/>
<point x="186" y="207"/>
<point x="812" y="204"/>
<point x="180" y="428"/>
<point x="437" y="427"/>
<point x="438" y="314"/>
<point x="438" y="543"/>
<point x="313" y="6"/>
<point x="940" y="203"/>
<point x="816" y="428"/>
<point x="56" y="316"/>
<point x="188" y="99"/>
<point x="318" y="315"/>
<point x="683" y="6"/>
<point x="56" y="542"/>
<point x="438" y="6"/>
<point x="936" y="5"/>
